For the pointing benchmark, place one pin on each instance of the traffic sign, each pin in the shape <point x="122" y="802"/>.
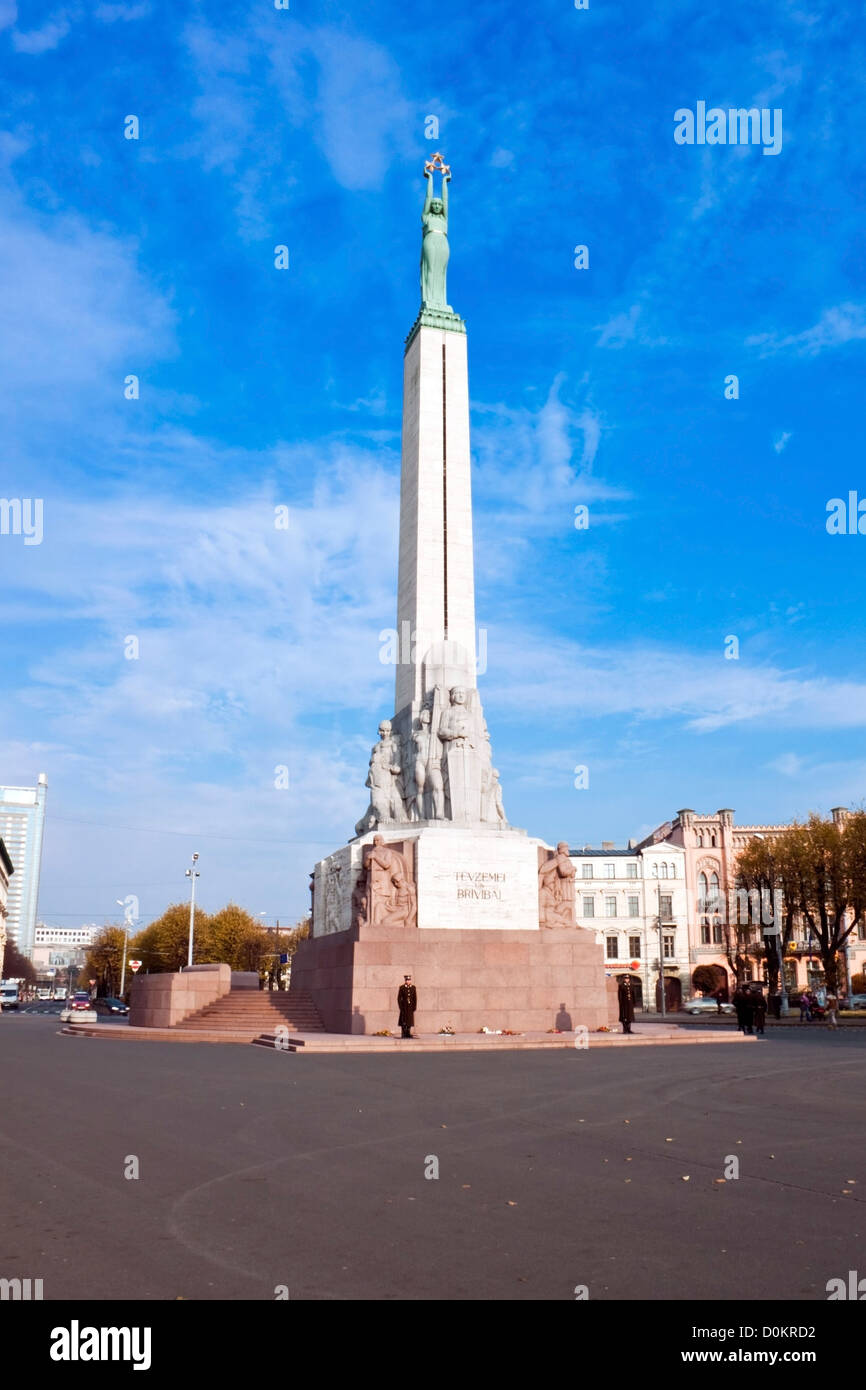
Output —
<point x="134" y="965"/>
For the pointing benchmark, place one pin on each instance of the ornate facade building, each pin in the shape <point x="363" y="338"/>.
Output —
<point x="711" y="845"/>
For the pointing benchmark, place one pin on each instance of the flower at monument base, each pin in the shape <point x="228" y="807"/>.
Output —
<point x="494" y="1032"/>
<point x="447" y="1029"/>
<point x="603" y="1029"/>
<point x="383" y="1033"/>
<point x="510" y="1033"/>
<point x="554" y="1030"/>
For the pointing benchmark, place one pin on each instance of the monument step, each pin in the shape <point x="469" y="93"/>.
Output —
<point x="256" y="1012"/>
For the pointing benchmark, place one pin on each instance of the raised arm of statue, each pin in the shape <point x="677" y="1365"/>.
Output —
<point x="446" y="179"/>
<point x="428" y="197"/>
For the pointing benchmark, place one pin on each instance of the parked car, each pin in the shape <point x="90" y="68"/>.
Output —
<point x="857" y="1001"/>
<point x="705" y="1005"/>
<point x="110" y="1006"/>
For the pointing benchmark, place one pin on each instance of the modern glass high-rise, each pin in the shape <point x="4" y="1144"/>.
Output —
<point x="22" y="819"/>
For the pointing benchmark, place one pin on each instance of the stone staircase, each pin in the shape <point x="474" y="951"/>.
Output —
<point x="251" y="1012"/>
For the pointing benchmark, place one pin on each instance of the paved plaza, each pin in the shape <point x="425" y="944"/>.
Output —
<point x="555" y="1169"/>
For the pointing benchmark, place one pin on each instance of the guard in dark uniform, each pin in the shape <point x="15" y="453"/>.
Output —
<point x="625" y="994"/>
<point x="407" y="1003"/>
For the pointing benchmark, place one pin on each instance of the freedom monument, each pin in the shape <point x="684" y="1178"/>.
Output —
<point x="436" y="883"/>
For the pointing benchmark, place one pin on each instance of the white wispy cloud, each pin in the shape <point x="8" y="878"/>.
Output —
<point x="654" y="682"/>
<point x="844" y="323"/>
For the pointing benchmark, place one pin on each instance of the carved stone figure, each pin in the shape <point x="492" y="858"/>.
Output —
<point x="360" y="900"/>
<point x="385" y="780"/>
<point x="556" y="889"/>
<point x="461" y="738"/>
<point x="389" y="893"/>
<point x="429" y="789"/>
<point x="494" y="811"/>
<point x="434" y="246"/>
<point x="333" y="899"/>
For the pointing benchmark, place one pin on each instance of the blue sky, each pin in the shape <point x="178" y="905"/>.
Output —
<point x="260" y="387"/>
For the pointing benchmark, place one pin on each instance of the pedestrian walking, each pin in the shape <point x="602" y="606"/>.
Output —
<point x="407" y="1003"/>
<point x="744" y="1007"/>
<point x="805" y="1007"/>
<point x="760" y="1012"/>
<point x="625" y="995"/>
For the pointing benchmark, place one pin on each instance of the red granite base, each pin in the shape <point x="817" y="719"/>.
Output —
<point x="465" y="979"/>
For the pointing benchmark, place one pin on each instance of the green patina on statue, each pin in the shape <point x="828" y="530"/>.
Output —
<point x="434" y="246"/>
<point x="435" y="311"/>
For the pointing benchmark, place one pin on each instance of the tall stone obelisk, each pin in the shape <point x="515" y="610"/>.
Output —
<point x="434" y="760"/>
<point x="436" y="579"/>
<point x="435" y="881"/>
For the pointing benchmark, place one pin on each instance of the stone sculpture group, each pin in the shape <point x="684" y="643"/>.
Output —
<point x="442" y="772"/>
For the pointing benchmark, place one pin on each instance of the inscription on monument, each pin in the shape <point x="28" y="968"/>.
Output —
<point x="479" y="885"/>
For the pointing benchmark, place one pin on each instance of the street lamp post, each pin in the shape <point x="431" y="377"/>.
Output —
<point x="121" y="903"/>
<point x="661" y="955"/>
<point x="192" y="874"/>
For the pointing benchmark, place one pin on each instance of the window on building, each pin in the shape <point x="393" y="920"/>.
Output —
<point x="666" y="905"/>
<point x="586" y="870"/>
<point x="718" y="939"/>
<point x="674" y="869"/>
<point x="589" y="907"/>
<point x="631" y="870"/>
<point x="610" y="871"/>
<point x="664" y="870"/>
<point x="668" y="946"/>
<point x="714" y="892"/>
<point x="705" y="933"/>
<point x="700" y="841"/>
<point x="702" y="892"/>
<point x="610" y="907"/>
<point x="655" y="868"/>
<point x="861" y="931"/>
<point x="612" y="948"/>
<point x="634" y="947"/>
<point x="713" y="841"/>
<point x="634" y="907"/>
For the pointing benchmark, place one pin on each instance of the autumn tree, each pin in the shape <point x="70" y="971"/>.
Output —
<point x="709" y="978"/>
<point x="16" y="966"/>
<point x="831" y="862"/>
<point x="104" y="962"/>
<point x="164" y="944"/>
<point x="767" y="873"/>
<point x="238" y="939"/>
